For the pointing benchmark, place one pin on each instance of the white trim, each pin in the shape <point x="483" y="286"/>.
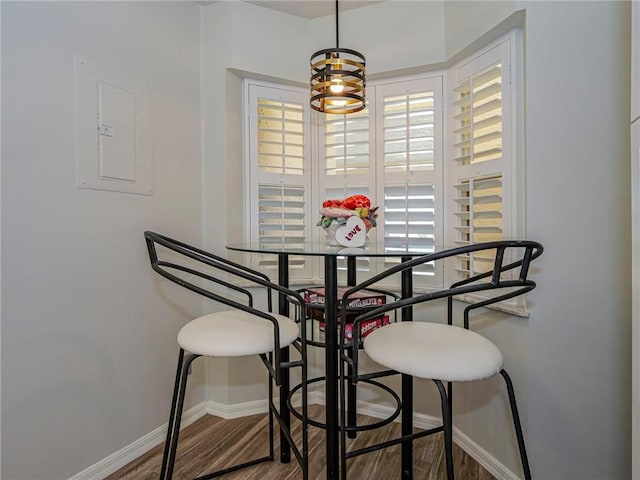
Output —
<point x="244" y="409"/>
<point x="0" y="258"/>
<point x="134" y="450"/>
<point x="635" y="294"/>
<point x="635" y="239"/>
<point x="131" y="452"/>
<point x="236" y="410"/>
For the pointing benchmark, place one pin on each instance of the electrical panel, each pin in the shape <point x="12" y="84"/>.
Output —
<point x="113" y="130"/>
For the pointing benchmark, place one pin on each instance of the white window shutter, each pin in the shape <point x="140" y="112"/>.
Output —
<point x="410" y="218"/>
<point x="484" y="174"/>
<point x="410" y="174"/>
<point x="280" y="137"/>
<point x="409" y="132"/>
<point x="281" y="220"/>
<point x="346" y="144"/>
<point x="280" y="193"/>
<point x="478" y="219"/>
<point x="480" y="168"/>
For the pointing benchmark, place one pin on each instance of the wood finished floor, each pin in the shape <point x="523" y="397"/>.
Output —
<point x="212" y="443"/>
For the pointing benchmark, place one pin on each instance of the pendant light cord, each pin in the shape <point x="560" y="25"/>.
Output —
<point x="337" y="35"/>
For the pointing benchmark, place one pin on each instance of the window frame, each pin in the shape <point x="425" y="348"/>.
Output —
<point x="445" y="173"/>
<point x="377" y="91"/>
<point x="305" y="270"/>
<point x="511" y="165"/>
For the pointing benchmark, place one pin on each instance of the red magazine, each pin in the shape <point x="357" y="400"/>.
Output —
<point x="366" y="326"/>
<point x="363" y="298"/>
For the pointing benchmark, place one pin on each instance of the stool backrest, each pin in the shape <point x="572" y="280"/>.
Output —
<point x="194" y="262"/>
<point x="509" y="256"/>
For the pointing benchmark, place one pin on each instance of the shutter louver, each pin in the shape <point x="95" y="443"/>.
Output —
<point x="479" y="219"/>
<point x="409" y="219"/>
<point x="409" y="132"/>
<point x="281" y="219"/>
<point x="479" y="117"/>
<point x="280" y="185"/>
<point x="409" y="208"/>
<point x="347" y="143"/>
<point x="280" y="137"/>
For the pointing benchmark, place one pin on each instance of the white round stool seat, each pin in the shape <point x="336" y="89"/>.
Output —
<point x="234" y="333"/>
<point x="434" y="351"/>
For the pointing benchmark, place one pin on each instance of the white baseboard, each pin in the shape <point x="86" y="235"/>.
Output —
<point x="141" y="446"/>
<point x="236" y="410"/>
<point x="255" y="407"/>
<point x="134" y="450"/>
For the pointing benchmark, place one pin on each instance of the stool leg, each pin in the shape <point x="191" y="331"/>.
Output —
<point x="517" y="425"/>
<point x="176" y="414"/>
<point x="342" y="393"/>
<point x="271" y="430"/>
<point x="170" y="425"/>
<point x="448" y="429"/>
<point x="305" y="410"/>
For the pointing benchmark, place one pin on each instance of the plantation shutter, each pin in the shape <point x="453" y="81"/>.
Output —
<point x="281" y="220"/>
<point x="479" y="213"/>
<point x="409" y="132"/>
<point x="410" y="171"/>
<point x="390" y="152"/>
<point x="479" y="116"/>
<point x="481" y="108"/>
<point x="280" y="174"/>
<point x="410" y="218"/>
<point x="485" y="168"/>
<point x="346" y="144"/>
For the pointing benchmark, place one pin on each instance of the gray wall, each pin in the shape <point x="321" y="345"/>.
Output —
<point x="570" y="360"/>
<point x="88" y="333"/>
<point x="578" y="205"/>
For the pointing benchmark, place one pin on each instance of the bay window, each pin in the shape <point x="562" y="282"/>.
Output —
<point x="439" y="154"/>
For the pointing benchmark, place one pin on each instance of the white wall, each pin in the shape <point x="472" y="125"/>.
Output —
<point x="578" y="206"/>
<point x="88" y="340"/>
<point x="573" y="355"/>
<point x="88" y="332"/>
<point x="570" y="360"/>
<point x="466" y="21"/>
<point x="0" y="254"/>
<point x="392" y="35"/>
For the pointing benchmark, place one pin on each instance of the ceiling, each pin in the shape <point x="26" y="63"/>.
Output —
<point x="311" y="8"/>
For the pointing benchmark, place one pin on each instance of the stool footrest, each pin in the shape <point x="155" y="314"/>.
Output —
<point x="235" y="468"/>
<point x="395" y="441"/>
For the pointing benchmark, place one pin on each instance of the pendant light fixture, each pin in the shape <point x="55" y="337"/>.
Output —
<point x="337" y="79"/>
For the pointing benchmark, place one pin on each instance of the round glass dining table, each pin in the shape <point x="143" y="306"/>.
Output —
<point x="330" y="253"/>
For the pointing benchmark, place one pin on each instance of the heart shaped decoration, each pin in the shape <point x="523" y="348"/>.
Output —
<point x="353" y="233"/>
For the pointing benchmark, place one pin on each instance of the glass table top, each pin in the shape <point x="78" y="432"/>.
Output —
<point x="323" y="249"/>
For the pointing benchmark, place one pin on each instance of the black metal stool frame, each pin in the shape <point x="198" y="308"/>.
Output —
<point x="490" y="280"/>
<point x="352" y="426"/>
<point x="273" y="361"/>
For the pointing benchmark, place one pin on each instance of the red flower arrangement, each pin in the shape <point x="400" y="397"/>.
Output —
<point x="336" y="212"/>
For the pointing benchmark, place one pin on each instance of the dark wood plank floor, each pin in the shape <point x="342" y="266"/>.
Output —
<point x="211" y="443"/>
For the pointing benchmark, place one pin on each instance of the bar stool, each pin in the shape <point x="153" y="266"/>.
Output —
<point x="240" y="330"/>
<point x="443" y="352"/>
